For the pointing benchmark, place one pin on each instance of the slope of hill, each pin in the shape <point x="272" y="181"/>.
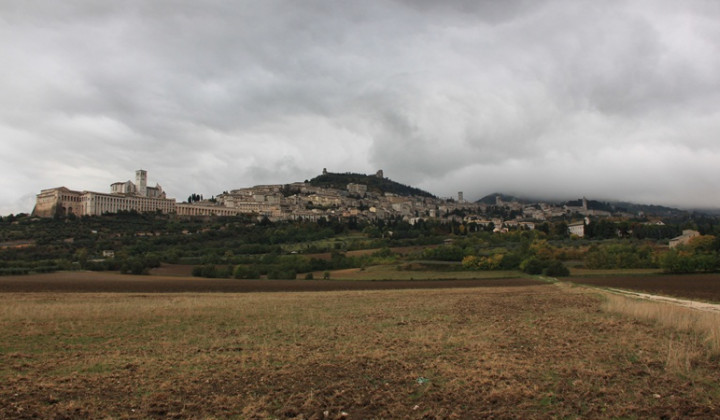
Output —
<point x="490" y="199"/>
<point x="610" y="206"/>
<point x="592" y="205"/>
<point x="374" y="183"/>
<point x="646" y="208"/>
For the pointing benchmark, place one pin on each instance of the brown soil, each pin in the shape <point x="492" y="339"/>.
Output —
<point x="531" y="352"/>
<point x="692" y="286"/>
<point x="107" y="282"/>
<point x="174" y="270"/>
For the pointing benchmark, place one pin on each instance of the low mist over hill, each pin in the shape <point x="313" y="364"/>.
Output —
<point x="491" y="199"/>
<point x="609" y="206"/>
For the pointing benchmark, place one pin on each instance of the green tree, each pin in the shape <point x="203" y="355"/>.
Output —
<point x="533" y="266"/>
<point x="557" y="269"/>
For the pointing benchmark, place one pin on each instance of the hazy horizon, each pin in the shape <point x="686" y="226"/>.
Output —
<point x="550" y="98"/>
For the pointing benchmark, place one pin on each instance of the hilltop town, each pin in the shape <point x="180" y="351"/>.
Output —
<point x="327" y="196"/>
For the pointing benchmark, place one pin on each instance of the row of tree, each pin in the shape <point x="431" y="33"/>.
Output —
<point x="701" y="254"/>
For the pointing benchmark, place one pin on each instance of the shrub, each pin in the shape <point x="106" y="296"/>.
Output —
<point x="683" y="262"/>
<point x="197" y="271"/>
<point x="282" y="275"/>
<point x="243" y="272"/>
<point x="211" y="271"/>
<point x="492" y="262"/>
<point x="533" y="266"/>
<point x="14" y="271"/>
<point x="134" y="266"/>
<point x="444" y="253"/>
<point x="619" y="255"/>
<point x="511" y="261"/>
<point x="470" y="262"/>
<point x="557" y="269"/>
<point x="224" y="272"/>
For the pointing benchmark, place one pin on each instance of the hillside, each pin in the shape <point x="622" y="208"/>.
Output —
<point x="610" y="206"/>
<point x="374" y="184"/>
<point x="647" y="209"/>
<point x="490" y="199"/>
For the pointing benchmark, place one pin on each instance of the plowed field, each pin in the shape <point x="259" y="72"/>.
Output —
<point x="542" y="351"/>
<point x="704" y="287"/>
<point x="96" y="282"/>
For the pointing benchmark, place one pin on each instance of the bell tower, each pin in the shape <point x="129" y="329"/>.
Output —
<point x="141" y="182"/>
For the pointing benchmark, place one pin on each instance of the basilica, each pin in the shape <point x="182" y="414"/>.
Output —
<point x="123" y="196"/>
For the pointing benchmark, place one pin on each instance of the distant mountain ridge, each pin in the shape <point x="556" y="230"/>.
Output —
<point x="376" y="183"/>
<point x="610" y="206"/>
<point x="646" y="208"/>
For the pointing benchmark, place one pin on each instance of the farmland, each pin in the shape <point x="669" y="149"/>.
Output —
<point x="148" y="316"/>
<point x="527" y="351"/>
<point x="705" y="287"/>
<point x="108" y="282"/>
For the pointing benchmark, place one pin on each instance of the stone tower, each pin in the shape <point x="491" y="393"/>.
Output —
<point x="460" y="197"/>
<point x="141" y="182"/>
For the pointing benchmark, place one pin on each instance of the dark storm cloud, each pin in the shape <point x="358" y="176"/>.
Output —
<point x="558" y="98"/>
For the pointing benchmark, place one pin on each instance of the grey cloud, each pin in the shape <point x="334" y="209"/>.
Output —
<point x="553" y="96"/>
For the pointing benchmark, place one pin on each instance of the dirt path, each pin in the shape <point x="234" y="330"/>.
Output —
<point x="701" y="306"/>
<point x="699" y="287"/>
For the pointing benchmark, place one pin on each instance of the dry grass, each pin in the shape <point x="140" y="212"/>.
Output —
<point x="523" y="352"/>
<point x="707" y="324"/>
<point x="700" y="341"/>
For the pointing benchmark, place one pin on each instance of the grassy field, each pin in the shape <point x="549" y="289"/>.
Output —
<point x="395" y="272"/>
<point x="544" y="351"/>
<point x="585" y="272"/>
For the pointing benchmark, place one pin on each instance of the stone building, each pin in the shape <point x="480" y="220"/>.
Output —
<point x="95" y="204"/>
<point x="123" y="196"/>
<point x="357" y="189"/>
<point x="577" y="229"/>
<point x="683" y="239"/>
<point x="58" y="201"/>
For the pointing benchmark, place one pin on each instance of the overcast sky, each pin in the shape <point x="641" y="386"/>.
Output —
<point x="609" y="100"/>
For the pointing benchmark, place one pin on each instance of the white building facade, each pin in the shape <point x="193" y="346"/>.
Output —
<point x="123" y="196"/>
